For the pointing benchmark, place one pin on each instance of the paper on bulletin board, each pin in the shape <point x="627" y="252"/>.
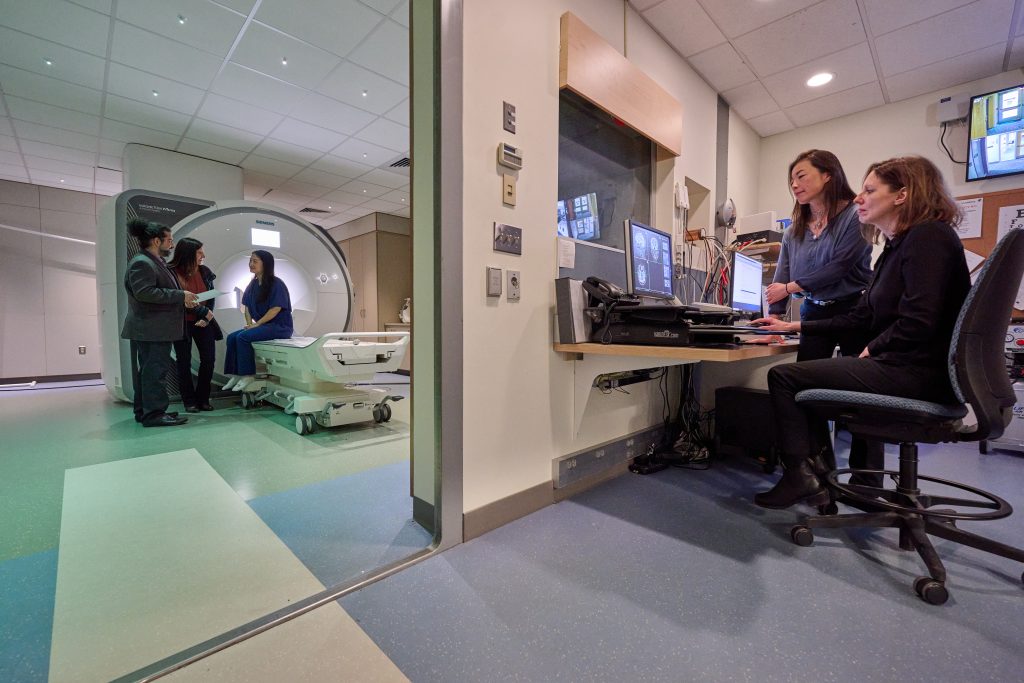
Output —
<point x="973" y="260"/>
<point x="1010" y="218"/>
<point x="970" y="218"/>
<point x="566" y="253"/>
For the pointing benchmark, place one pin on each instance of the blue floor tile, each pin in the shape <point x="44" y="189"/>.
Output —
<point x="27" y="586"/>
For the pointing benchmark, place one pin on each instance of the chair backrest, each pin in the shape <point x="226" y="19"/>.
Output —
<point x="977" y="361"/>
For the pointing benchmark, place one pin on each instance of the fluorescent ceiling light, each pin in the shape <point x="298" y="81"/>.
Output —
<point x="819" y="79"/>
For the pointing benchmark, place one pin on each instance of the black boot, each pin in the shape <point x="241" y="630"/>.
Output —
<point x="867" y="455"/>
<point x="798" y="483"/>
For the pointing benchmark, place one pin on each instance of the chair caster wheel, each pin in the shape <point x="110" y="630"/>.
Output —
<point x="828" y="509"/>
<point x="802" y="535"/>
<point x="930" y="590"/>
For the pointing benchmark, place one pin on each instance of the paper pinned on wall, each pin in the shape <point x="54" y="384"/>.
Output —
<point x="1010" y="218"/>
<point x="973" y="260"/>
<point x="566" y="253"/>
<point x="970" y="222"/>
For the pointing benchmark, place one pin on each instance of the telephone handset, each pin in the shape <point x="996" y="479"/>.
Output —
<point x="608" y="292"/>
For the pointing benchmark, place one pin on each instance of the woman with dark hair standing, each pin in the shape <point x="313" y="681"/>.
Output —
<point x="200" y="326"/>
<point x="267" y="307"/>
<point x="907" y="313"/>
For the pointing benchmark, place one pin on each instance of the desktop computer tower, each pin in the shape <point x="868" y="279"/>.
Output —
<point x="744" y="425"/>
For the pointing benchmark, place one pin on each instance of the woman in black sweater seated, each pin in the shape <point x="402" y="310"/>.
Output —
<point x="907" y="312"/>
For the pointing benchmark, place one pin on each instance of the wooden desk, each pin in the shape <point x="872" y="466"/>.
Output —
<point x="592" y="360"/>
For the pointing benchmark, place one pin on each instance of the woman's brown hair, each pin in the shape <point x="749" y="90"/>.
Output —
<point x="837" y="189"/>
<point x="928" y="198"/>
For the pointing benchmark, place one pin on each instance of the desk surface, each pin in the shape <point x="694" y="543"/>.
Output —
<point x="686" y="353"/>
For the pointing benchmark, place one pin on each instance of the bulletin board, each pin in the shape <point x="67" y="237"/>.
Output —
<point x="992" y="205"/>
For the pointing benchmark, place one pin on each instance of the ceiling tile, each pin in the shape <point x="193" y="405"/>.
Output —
<point x="49" y="90"/>
<point x="382" y="206"/>
<point x="333" y="25"/>
<point x="641" y="5"/>
<point x="348" y="82"/>
<point x="364" y="189"/>
<point x="242" y="6"/>
<point x="328" y="181"/>
<point x="770" y="124"/>
<point x="8" y="143"/>
<point x="839" y="104"/>
<point x="1017" y="54"/>
<point x="60" y="22"/>
<point x="108" y="189"/>
<point x="852" y="67"/>
<point x="139" y="85"/>
<point x="947" y="73"/>
<point x="400" y="197"/>
<point x="268" y="166"/>
<point x="264" y="49"/>
<point x="207" y="26"/>
<point x="246" y="85"/>
<point x="382" y="6"/>
<point x="98" y="5"/>
<point x="286" y="151"/>
<point x="220" y="109"/>
<point x="48" y="151"/>
<point x="302" y="189"/>
<point x="285" y="200"/>
<point x="207" y="151"/>
<point x="387" y="134"/>
<point x="8" y="172"/>
<point x="10" y="157"/>
<point x="66" y="182"/>
<point x="107" y="175"/>
<point x="823" y="28"/>
<point x="343" y="167"/>
<point x="128" y="132"/>
<point x="736" y="17"/>
<point x="399" y="114"/>
<point x="384" y="178"/>
<point x="110" y="150"/>
<point x="149" y="52"/>
<point x="28" y="52"/>
<point x="64" y="138"/>
<point x="722" y="67"/>
<point x="264" y="181"/>
<point x="885" y="15"/>
<point x="685" y="25"/>
<point x="146" y="115"/>
<point x="405" y="212"/>
<point x="344" y="197"/>
<point x="363" y="152"/>
<point x="401" y="13"/>
<point x="330" y="114"/>
<point x="59" y="167"/>
<point x="48" y="115"/>
<point x="750" y="100"/>
<point x="929" y="40"/>
<point x="5" y="126"/>
<point x="386" y="52"/>
<point x="225" y="136"/>
<point x="111" y="162"/>
<point x="307" y="135"/>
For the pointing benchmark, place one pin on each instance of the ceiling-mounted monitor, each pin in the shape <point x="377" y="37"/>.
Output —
<point x="995" y="146"/>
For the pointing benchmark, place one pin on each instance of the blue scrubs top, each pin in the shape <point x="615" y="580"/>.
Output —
<point x="278" y="297"/>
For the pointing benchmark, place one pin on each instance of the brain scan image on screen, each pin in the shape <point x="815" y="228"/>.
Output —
<point x="639" y="246"/>
<point x="655" y="253"/>
<point x="641" y="275"/>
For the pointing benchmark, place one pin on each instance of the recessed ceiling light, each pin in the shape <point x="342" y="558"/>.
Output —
<point x="403" y="199"/>
<point x="364" y="191"/>
<point x="365" y="93"/>
<point x="819" y="79"/>
<point x="284" y="61"/>
<point x="62" y="180"/>
<point x="48" y="62"/>
<point x="364" y="155"/>
<point x="156" y="94"/>
<point x="182" y="18"/>
<point x="330" y="207"/>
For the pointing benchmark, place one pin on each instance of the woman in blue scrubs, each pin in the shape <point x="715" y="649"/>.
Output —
<point x="268" y="315"/>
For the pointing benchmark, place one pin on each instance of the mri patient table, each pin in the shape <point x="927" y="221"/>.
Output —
<point x="316" y="379"/>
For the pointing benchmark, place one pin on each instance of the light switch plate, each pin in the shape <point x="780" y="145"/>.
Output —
<point x="508" y="189"/>
<point x="493" y="281"/>
<point x="508" y="238"/>
<point x="513" y="285"/>
<point x="508" y="117"/>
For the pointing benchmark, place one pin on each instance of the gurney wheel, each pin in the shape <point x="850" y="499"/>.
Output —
<point x="248" y="400"/>
<point x="304" y="424"/>
<point x="385" y="413"/>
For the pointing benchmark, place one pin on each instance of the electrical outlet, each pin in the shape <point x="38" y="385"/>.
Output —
<point x="81" y="350"/>
<point x="513" y="285"/>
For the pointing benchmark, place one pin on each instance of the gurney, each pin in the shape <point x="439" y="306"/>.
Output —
<point x="316" y="378"/>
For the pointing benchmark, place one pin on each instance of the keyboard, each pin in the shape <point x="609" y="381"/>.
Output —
<point x="710" y="308"/>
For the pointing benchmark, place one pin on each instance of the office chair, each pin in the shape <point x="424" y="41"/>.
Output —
<point x="978" y="373"/>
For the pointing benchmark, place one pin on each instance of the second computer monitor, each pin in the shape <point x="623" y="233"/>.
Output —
<point x="648" y="261"/>
<point x="745" y="287"/>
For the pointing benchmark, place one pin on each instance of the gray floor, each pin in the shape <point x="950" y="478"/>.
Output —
<point x="677" y="576"/>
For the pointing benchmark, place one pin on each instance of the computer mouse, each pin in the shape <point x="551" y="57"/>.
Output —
<point x="758" y="323"/>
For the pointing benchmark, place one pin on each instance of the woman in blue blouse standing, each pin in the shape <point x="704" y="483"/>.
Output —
<point x="268" y="315"/>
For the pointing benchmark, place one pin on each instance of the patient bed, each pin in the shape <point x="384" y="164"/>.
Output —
<point x="316" y="379"/>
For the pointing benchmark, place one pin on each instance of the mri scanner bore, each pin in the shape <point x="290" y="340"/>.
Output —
<point x="306" y="375"/>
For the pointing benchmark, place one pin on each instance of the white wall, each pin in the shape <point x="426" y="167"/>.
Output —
<point x="744" y="179"/>
<point x="47" y="285"/>
<point x="518" y="391"/>
<point x="907" y="127"/>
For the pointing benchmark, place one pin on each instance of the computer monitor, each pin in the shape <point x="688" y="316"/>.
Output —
<point x="648" y="261"/>
<point x="745" y="286"/>
<point x="578" y="218"/>
<point x="563" y="219"/>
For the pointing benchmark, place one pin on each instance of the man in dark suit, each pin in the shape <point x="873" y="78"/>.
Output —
<point x="156" y="319"/>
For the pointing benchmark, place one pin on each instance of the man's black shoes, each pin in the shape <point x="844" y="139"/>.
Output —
<point x="168" y="420"/>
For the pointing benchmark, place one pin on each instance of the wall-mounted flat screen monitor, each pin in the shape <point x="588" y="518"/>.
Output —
<point x="648" y="261"/>
<point x="578" y="218"/>
<point x="745" y="286"/>
<point x="996" y="134"/>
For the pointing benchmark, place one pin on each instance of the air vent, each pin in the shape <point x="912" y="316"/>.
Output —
<point x="309" y="210"/>
<point x="401" y="163"/>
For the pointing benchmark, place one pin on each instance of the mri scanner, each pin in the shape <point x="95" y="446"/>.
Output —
<point x="311" y="375"/>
